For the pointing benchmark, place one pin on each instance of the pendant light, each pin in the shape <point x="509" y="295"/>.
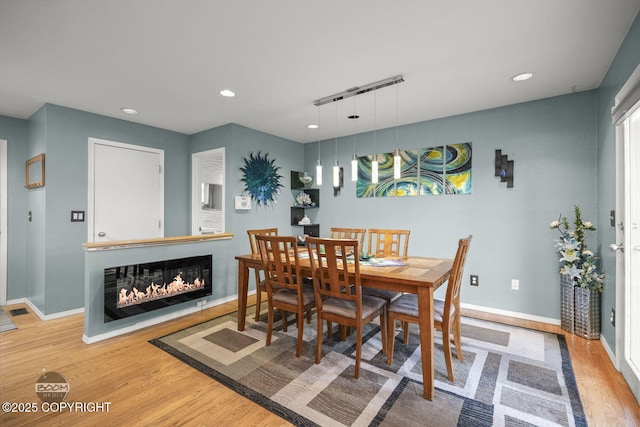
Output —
<point x="354" y="157"/>
<point x="397" y="160"/>
<point x="374" y="162"/>
<point x="336" y="167"/>
<point x="319" y="164"/>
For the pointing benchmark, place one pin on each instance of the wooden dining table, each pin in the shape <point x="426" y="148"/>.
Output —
<point x="419" y="275"/>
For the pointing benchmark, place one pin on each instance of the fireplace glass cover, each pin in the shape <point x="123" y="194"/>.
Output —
<point x="130" y="290"/>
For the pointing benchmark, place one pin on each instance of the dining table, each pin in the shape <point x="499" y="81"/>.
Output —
<point x="413" y="274"/>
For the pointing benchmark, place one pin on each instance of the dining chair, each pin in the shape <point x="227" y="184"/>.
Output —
<point x="338" y="295"/>
<point x="349" y="233"/>
<point x="260" y="285"/>
<point x="446" y="312"/>
<point x="388" y="242"/>
<point x="286" y="287"/>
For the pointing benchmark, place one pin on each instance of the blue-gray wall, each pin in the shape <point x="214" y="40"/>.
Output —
<point x="553" y="144"/>
<point x="623" y="65"/>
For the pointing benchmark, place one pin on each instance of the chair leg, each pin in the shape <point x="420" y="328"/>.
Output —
<point x="456" y="338"/>
<point x="319" y="339"/>
<point x="446" y="345"/>
<point x="383" y="331"/>
<point x="269" y="323"/>
<point x="356" y="374"/>
<point x="391" y="337"/>
<point x="300" y="321"/>
<point x="284" y="320"/>
<point x="405" y="327"/>
<point x="258" y="302"/>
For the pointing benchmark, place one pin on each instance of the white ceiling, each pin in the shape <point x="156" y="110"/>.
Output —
<point x="169" y="58"/>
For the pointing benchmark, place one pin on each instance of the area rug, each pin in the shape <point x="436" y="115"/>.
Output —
<point x="6" y="324"/>
<point x="509" y="376"/>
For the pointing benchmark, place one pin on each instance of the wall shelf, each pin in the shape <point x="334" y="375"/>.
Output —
<point x="298" y="212"/>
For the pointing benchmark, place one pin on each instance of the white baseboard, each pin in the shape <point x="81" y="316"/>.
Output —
<point x="610" y="353"/>
<point x="40" y="314"/>
<point x="511" y="314"/>
<point x="157" y="320"/>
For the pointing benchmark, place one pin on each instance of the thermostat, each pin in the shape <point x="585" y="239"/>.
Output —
<point x="243" y="203"/>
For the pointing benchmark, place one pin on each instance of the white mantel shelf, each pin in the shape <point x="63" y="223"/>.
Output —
<point x="124" y="244"/>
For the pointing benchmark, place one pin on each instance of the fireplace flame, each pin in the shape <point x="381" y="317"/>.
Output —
<point x="154" y="291"/>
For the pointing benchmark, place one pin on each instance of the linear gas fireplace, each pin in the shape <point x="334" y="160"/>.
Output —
<point x="134" y="289"/>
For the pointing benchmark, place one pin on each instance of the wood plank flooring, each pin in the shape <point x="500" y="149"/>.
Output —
<point x="149" y="387"/>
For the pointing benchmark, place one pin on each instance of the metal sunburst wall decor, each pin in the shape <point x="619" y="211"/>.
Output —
<point x="261" y="178"/>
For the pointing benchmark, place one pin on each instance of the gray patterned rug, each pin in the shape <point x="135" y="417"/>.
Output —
<point x="6" y="324"/>
<point x="509" y="377"/>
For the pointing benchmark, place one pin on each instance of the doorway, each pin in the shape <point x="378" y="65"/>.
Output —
<point x="627" y="245"/>
<point x="126" y="192"/>
<point x="3" y="222"/>
<point x="207" y="192"/>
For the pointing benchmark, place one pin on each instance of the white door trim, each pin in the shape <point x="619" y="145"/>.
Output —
<point x="3" y="221"/>
<point x="91" y="183"/>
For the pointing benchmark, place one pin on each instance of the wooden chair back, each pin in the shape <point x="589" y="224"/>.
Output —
<point x="280" y="262"/>
<point x="349" y="233"/>
<point x="263" y="231"/>
<point x="452" y="298"/>
<point x="329" y="258"/>
<point x="388" y="242"/>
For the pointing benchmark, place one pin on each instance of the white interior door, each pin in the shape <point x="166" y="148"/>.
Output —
<point x="3" y="222"/>
<point x="626" y="116"/>
<point x="126" y="192"/>
<point x="628" y="257"/>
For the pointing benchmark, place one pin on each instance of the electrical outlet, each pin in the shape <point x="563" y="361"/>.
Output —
<point x="612" y="319"/>
<point x="474" y="280"/>
<point x="515" y="284"/>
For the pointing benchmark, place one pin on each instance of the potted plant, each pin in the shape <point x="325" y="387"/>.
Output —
<point x="581" y="284"/>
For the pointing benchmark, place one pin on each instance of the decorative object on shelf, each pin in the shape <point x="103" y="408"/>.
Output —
<point x="302" y="240"/>
<point x="261" y="178"/>
<point x="34" y="172"/>
<point x="580" y="282"/>
<point x="303" y="199"/>
<point x="305" y="179"/>
<point x="504" y="168"/>
<point x="304" y="221"/>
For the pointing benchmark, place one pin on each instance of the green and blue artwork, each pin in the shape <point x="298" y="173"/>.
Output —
<point x="261" y="178"/>
<point x="436" y="170"/>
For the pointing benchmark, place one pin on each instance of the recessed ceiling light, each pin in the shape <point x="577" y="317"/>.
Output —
<point x="522" y="77"/>
<point x="129" y="111"/>
<point x="227" y="93"/>
<point x="312" y="126"/>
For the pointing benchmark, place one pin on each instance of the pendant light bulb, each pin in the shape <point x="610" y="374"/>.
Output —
<point x="319" y="173"/>
<point x="397" y="164"/>
<point x="354" y="167"/>
<point x="336" y="175"/>
<point x="374" y="169"/>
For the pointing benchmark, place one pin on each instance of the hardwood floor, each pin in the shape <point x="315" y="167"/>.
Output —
<point x="149" y="387"/>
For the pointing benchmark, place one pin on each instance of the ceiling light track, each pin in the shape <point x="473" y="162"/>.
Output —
<point x="359" y="90"/>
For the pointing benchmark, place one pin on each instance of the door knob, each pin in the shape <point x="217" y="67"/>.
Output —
<point x="619" y="247"/>
<point x="102" y="234"/>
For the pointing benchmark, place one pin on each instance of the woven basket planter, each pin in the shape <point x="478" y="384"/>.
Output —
<point x="567" y="303"/>
<point x="587" y="313"/>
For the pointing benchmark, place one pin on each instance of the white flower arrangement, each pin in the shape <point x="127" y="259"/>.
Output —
<point x="575" y="259"/>
<point x="303" y="199"/>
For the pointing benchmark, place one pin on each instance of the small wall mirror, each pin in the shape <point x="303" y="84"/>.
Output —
<point x="35" y="171"/>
